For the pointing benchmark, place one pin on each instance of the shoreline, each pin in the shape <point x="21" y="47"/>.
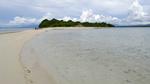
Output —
<point x="10" y="32"/>
<point x="11" y="71"/>
<point x="34" y="72"/>
<point x="85" y="57"/>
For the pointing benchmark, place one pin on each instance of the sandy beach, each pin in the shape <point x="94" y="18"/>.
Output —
<point x="11" y="70"/>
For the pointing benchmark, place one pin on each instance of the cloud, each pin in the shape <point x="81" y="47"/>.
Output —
<point x="86" y="16"/>
<point x="111" y="11"/>
<point x="22" y="20"/>
<point x="61" y="8"/>
<point x="89" y="16"/>
<point x="137" y="15"/>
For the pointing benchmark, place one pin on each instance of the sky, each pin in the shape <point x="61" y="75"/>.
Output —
<point x="118" y="12"/>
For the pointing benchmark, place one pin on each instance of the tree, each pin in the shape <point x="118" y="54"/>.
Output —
<point x="60" y="23"/>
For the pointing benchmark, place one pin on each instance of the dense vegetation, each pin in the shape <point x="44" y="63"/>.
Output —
<point x="60" y="23"/>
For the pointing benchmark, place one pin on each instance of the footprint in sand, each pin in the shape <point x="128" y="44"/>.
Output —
<point x="28" y="76"/>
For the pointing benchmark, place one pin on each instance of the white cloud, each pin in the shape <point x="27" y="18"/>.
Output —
<point x="137" y="15"/>
<point x="89" y="16"/>
<point x="22" y="20"/>
<point x="18" y="21"/>
<point x="66" y="18"/>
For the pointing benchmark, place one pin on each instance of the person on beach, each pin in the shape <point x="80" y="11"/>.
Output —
<point x="36" y="28"/>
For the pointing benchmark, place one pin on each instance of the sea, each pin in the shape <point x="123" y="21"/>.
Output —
<point x="9" y="30"/>
<point x="92" y="56"/>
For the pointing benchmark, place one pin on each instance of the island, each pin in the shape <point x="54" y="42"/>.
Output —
<point x="61" y="23"/>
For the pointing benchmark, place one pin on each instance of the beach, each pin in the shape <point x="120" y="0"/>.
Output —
<point x="75" y="42"/>
<point x="75" y="56"/>
<point x="11" y="71"/>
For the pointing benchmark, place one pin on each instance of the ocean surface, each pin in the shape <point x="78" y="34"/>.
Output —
<point x="92" y="56"/>
<point x="7" y="30"/>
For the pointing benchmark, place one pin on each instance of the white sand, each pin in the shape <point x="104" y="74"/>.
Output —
<point x="11" y="70"/>
<point x="88" y="56"/>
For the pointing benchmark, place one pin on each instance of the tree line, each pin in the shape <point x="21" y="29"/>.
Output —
<point x="60" y="23"/>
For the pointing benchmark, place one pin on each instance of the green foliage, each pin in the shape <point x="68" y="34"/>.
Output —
<point x="60" y="23"/>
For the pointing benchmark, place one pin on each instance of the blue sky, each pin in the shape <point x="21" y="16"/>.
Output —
<point x="26" y="12"/>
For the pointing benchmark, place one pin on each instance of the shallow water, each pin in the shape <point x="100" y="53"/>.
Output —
<point x="7" y="30"/>
<point x="94" y="56"/>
